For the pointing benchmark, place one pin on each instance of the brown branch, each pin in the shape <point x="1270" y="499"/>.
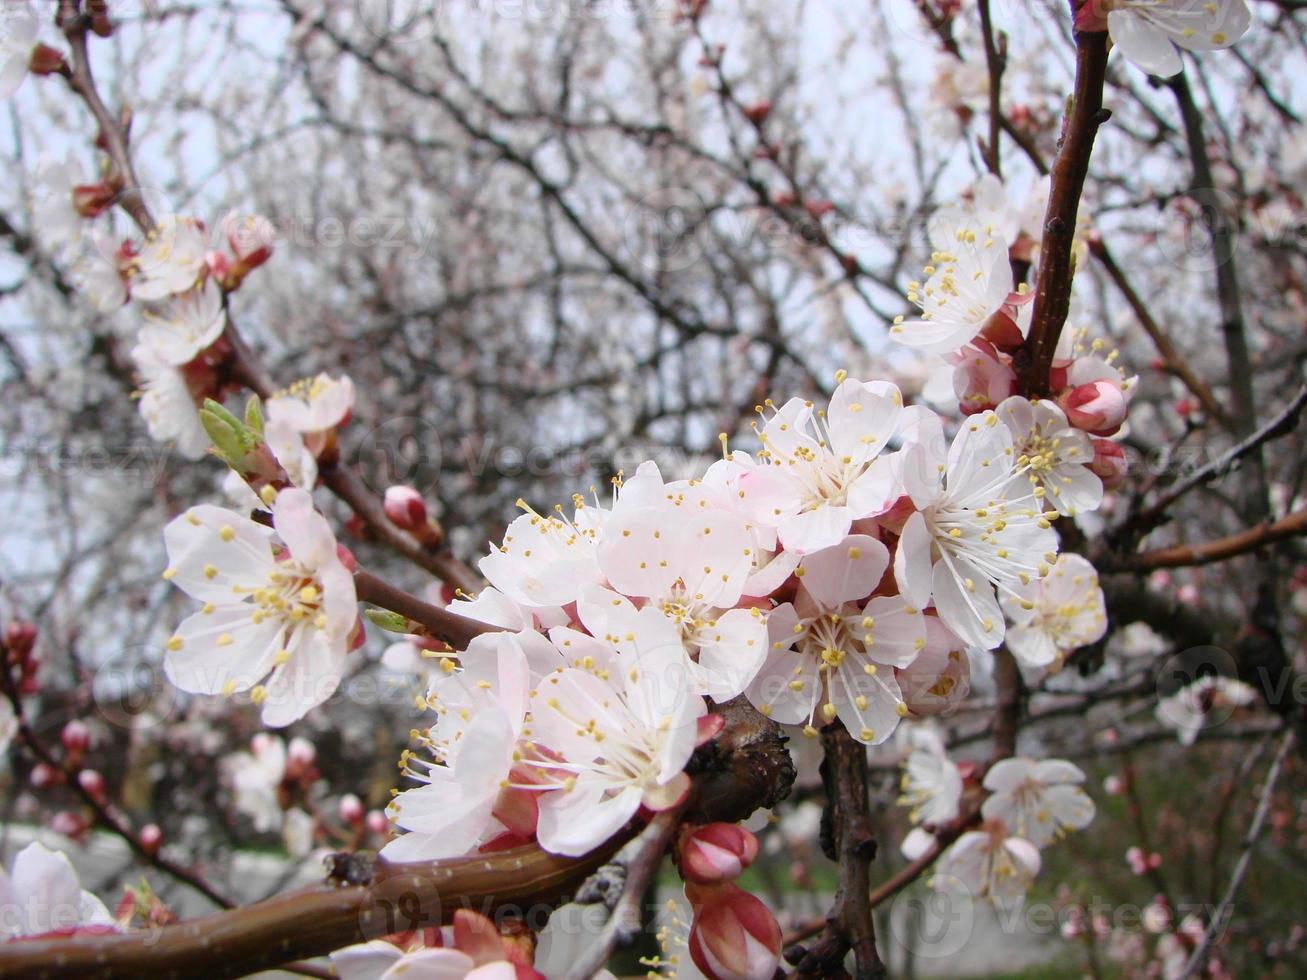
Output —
<point x="745" y="767"/>
<point x="318" y="919"/>
<point x="995" y="63"/>
<point x="901" y="879"/>
<point x="1282" y="424"/>
<point x="1219" y="921"/>
<point x="113" y="133"/>
<point x="1056" y="261"/>
<point x="848" y="840"/>
<point x="1184" y="555"/>
<point x="458" y="631"/>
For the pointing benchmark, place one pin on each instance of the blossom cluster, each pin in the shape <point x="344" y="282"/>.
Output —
<point x="838" y="573"/>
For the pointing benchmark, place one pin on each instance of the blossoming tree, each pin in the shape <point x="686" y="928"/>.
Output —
<point x="851" y="522"/>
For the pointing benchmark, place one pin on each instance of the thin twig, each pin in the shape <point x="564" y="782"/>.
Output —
<point x="650" y="847"/>
<point x="458" y="631"/>
<point x="1218" y="920"/>
<point x="104" y="816"/>
<point x="1222" y="549"/>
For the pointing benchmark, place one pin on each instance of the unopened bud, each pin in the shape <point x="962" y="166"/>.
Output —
<point x="76" y="737"/>
<point x="351" y="809"/>
<point x="92" y="784"/>
<point x="92" y="200"/>
<point x="250" y="239"/>
<point x="300" y="755"/>
<point x="69" y="824"/>
<point x="405" y="507"/>
<point x="46" y="60"/>
<point x="44" y="775"/>
<point x="20" y="637"/>
<point x="219" y="265"/>
<point x="733" y="936"/>
<point x="150" y="838"/>
<point x="716" y="852"/>
<point x="758" y="111"/>
<point x="1098" y="407"/>
<point x="376" y="822"/>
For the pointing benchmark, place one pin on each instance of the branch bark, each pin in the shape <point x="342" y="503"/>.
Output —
<point x="1056" y="262"/>
<point x="848" y="840"/>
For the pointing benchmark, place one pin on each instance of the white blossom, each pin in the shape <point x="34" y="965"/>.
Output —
<point x="181" y="328"/>
<point x="1150" y="32"/>
<point x="819" y="471"/>
<point x="988" y="863"/>
<point x="833" y="650"/>
<point x="972" y="534"/>
<point x="171" y="260"/>
<point x="1037" y="800"/>
<point x="286" y="615"/>
<point x="167" y="404"/>
<point x="1054" y="615"/>
<point x="41" y="893"/>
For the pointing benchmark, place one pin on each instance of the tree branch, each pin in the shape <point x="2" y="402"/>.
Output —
<point x="1221" y="549"/>
<point x="1056" y="262"/>
<point x="848" y="840"/>
<point x="458" y="631"/>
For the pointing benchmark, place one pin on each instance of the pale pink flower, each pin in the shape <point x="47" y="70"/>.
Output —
<point x="819" y="471"/>
<point x="1056" y="614"/>
<point x="41" y="894"/>
<point x="833" y="649"/>
<point x="1037" y="800"/>
<point x="285" y="612"/>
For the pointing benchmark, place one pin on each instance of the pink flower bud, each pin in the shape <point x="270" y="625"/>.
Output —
<point x="69" y="824"/>
<point x="1091" y="17"/>
<point x="92" y="200"/>
<point x="250" y="239"/>
<point x="733" y="936"/>
<point x="376" y="822"/>
<point x="716" y="852"/>
<point x="351" y="809"/>
<point x="405" y="508"/>
<point x="45" y="60"/>
<point x="758" y="111"/>
<point x="20" y="637"/>
<point x="151" y="838"/>
<point x="1098" y="407"/>
<point x="1135" y="858"/>
<point x="1113" y="785"/>
<point x="44" y="775"/>
<point x="1110" y="464"/>
<point x="219" y="265"/>
<point x="92" y="783"/>
<point x="76" y="737"/>
<point x="300" y="755"/>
